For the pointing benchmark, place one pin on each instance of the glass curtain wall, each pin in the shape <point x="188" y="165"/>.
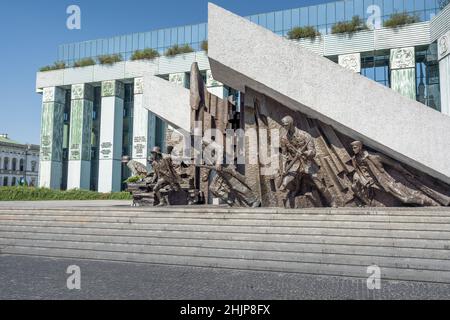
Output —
<point x="95" y="137"/>
<point x="66" y="136"/>
<point x="322" y="16"/>
<point x="127" y="137"/>
<point x="427" y="76"/>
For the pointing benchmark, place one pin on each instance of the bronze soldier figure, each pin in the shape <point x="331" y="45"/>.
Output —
<point x="371" y="175"/>
<point x="298" y="151"/>
<point x="164" y="175"/>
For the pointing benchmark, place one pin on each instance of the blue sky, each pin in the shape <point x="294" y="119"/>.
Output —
<point x="32" y="30"/>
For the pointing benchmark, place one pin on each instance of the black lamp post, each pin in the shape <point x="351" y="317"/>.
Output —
<point x="26" y="164"/>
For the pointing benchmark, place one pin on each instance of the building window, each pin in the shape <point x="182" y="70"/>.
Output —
<point x="5" y="181"/>
<point x="21" y="165"/>
<point x="13" y="181"/>
<point x="33" y="166"/>
<point x="14" y="164"/>
<point x="33" y="182"/>
<point x="6" y="163"/>
<point x="376" y="67"/>
<point x="427" y="77"/>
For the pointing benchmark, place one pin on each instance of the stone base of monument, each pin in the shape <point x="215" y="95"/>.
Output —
<point x="143" y="195"/>
<point x="405" y="243"/>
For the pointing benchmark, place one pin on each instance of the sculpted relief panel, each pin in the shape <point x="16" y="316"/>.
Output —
<point x="268" y="155"/>
<point x="403" y="58"/>
<point x="444" y="46"/>
<point x="319" y="167"/>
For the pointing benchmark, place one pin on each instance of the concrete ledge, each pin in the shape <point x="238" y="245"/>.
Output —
<point x="301" y="80"/>
<point x="168" y="101"/>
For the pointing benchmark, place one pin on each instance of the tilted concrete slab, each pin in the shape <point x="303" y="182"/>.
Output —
<point x="243" y="54"/>
<point x="168" y="101"/>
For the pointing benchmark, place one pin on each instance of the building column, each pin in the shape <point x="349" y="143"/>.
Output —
<point x="215" y="87"/>
<point x="81" y="108"/>
<point x="351" y="62"/>
<point x="111" y="132"/>
<point x="444" y="71"/>
<point x="403" y="71"/>
<point x="144" y="123"/>
<point x="52" y="121"/>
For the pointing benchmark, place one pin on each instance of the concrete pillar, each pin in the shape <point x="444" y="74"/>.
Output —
<point x="403" y="71"/>
<point x="144" y="123"/>
<point x="351" y="62"/>
<point x="111" y="132"/>
<point x="444" y="71"/>
<point x="81" y="108"/>
<point x="170" y="133"/>
<point x="215" y="87"/>
<point x="50" y="165"/>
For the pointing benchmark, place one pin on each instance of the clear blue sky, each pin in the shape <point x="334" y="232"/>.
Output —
<point x="32" y="30"/>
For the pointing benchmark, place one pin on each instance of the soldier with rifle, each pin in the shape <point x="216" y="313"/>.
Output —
<point x="298" y="152"/>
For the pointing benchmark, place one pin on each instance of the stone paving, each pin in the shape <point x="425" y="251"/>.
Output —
<point x="26" y="277"/>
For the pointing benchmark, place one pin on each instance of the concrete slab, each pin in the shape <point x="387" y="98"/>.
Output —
<point x="302" y="80"/>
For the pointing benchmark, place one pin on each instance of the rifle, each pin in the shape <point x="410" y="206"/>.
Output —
<point x="299" y="156"/>
<point x="226" y="171"/>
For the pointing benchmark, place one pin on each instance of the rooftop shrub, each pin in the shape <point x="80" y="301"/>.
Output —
<point x="84" y="63"/>
<point x="302" y="33"/>
<point x="56" y="66"/>
<point x="146" y="54"/>
<point x="355" y="25"/>
<point x="110" y="59"/>
<point x="176" y="49"/>
<point x="401" y="19"/>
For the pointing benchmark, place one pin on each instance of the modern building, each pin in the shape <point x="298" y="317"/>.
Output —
<point x="93" y="115"/>
<point x="18" y="163"/>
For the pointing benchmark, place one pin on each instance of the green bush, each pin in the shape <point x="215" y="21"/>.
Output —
<point x="176" y="49"/>
<point x="40" y="194"/>
<point x="84" y="63"/>
<point x="204" y="45"/>
<point x="56" y="66"/>
<point x="110" y="59"/>
<point x="401" y="19"/>
<point x="303" y="32"/>
<point x="133" y="179"/>
<point x="355" y="25"/>
<point x="146" y="54"/>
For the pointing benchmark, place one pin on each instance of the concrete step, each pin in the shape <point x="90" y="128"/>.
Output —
<point x="370" y="250"/>
<point x="202" y="236"/>
<point x="219" y="253"/>
<point x="438" y="211"/>
<point x="368" y="221"/>
<point x="387" y="273"/>
<point x="214" y="228"/>
<point x="408" y="244"/>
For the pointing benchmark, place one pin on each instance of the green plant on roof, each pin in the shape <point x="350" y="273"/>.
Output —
<point x="146" y="54"/>
<point x="302" y="33"/>
<point x="401" y="19"/>
<point x="84" y="63"/>
<point x="176" y="49"/>
<point x="355" y="25"/>
<point x="109" y="59"/>
<point x="56" y="66"/>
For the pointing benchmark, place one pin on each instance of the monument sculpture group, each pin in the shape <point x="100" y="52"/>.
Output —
<point x="306" y="163"/>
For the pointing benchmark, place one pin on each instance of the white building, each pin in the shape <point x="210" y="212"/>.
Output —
<point x="18" y="162"/>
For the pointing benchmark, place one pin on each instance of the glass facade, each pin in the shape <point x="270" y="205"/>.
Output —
<point x="427" y="77"/>
<point x="322" y="16"/>
<point x="95" y="137"/>
<point x="376" y="67"/>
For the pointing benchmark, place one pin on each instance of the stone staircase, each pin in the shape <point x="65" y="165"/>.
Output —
<point x="407" y="244"/>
